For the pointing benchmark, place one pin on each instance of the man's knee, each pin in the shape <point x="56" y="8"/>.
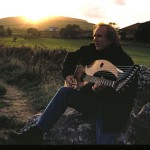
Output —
<point x="67" y="93"/>
<point x="65" y="90"/>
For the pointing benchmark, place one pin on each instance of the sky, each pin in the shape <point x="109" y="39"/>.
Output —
<point x="122" y="12"/>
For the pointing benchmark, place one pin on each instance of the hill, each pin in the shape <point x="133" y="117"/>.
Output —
<point x="56" y="21"/>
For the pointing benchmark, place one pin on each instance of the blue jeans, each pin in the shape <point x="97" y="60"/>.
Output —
<point x="103" y="137"/>
<point x="68" y="97"/>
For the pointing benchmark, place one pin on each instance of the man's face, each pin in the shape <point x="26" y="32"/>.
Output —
<point x="100" y="38"/>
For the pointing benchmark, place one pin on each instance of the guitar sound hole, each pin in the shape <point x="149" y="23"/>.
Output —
<point x="101" y="65"/>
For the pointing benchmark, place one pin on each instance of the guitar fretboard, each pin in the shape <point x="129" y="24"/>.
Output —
<point x="99" y="80"/>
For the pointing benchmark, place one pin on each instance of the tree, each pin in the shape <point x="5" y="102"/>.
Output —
<point x="122" y="35"/>
<point x="143" y="32"/>
<point x="14" y="39"/>
<point x="9" y="31"/>
<point x="33" y="32"/>
<point x="63" y="32"/>
<point x="1" y="27"/>
<point x="71" y="31"/>
<point x="113" y="24"/>
<point x="2" y="31"/>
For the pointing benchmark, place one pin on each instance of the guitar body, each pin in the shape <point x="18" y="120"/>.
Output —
<point x="96" y="67"/>
<point x="101" y="65"/>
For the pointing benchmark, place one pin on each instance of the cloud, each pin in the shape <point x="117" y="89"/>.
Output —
<point x="119" y="2"/>
<point x="93" y="12"/>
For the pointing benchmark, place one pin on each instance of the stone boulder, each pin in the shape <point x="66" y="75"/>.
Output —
<point x="71" y="128"/>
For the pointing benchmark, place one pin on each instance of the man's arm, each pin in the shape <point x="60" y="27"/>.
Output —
<point x="97" y="87"/>
<point x="69" y="64"/>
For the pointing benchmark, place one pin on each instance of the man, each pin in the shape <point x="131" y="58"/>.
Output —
<point x="111" y="108"/>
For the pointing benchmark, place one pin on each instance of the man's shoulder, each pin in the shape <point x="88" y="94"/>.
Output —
<point x="89" y="46"/>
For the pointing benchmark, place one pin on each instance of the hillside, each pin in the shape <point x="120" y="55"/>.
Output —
<point x="57" y="21"/>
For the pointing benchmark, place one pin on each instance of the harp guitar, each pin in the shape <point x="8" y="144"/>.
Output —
<point x="105" y="73"/>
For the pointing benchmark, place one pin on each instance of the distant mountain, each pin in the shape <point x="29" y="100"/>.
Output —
<point x="57" y="21"/>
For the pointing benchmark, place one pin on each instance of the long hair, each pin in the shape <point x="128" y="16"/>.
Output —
<point x="112" y="33"/>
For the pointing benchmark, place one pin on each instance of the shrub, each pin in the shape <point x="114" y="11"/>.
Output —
<point x="2" y="90"/>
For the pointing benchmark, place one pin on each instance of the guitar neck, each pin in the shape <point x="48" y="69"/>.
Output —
<point x="99" y="80"/>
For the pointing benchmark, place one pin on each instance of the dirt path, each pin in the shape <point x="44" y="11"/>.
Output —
<point x="17" y="104"/>
<point x="15" y="111"/>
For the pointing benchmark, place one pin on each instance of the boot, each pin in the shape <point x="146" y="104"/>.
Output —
<point x="31" y="136"/>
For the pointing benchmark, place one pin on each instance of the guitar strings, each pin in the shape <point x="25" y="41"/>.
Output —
<point x="126" y="70"/>
<point x="120" y="67"/>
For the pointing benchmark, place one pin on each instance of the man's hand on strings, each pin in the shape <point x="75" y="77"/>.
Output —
<point x="98" y="87"/>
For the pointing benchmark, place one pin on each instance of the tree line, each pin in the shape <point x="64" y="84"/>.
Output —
<point x="142" y="34"/>
<point x="4" y="31"/>
<point x="70" y="31"/>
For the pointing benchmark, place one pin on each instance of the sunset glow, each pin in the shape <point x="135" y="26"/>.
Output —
<point x="33" y="18"/>
<point x="47" y="8"/>
<point x="122" y="12"/>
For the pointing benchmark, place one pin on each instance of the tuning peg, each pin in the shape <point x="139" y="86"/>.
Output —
<point x="127" y="86"/>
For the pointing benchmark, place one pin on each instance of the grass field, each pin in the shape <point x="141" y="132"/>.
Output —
<point x="139" y="52"/>
<point x="48" y="43"/>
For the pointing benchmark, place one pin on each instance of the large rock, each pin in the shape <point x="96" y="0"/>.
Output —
<point x="71" y="128"/>
<point x="138" y="131"/>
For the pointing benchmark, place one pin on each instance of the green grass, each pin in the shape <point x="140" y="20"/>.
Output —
<point x="48" y="43"/>
<point x="139" y="52"/>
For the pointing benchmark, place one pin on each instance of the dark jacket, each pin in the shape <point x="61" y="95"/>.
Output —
<point x="115" y="106"/>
